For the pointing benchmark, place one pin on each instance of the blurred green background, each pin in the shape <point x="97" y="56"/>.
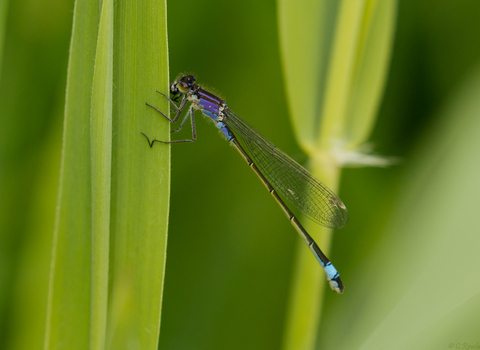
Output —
<point x="408" y="257"/>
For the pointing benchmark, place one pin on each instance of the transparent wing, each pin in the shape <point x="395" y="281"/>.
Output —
<point x="292" y="181"/>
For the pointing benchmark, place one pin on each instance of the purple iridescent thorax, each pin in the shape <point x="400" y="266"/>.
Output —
<point x="209" y="102"/>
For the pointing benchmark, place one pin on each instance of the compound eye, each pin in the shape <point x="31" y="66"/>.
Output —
<point x="190" y="79"/>
<point x="183" y="86"/>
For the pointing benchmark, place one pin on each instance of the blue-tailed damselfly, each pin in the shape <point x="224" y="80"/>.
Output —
<point x="278" y="172"/>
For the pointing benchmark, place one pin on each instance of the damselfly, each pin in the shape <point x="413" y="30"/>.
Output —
<point x="278" y="172"/>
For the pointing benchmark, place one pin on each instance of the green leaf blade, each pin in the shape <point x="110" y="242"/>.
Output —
<point x="101" y="158"/>
<point x="371" y="71"/>
<point x="304" y="32"/>
<point x="335" y="68"/>
<point x="110" y="238"/>
<point x="141" y="175"/>
<point x="68" y="315"/>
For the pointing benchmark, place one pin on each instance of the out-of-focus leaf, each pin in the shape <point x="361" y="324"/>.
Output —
<point x="3" y="24"/>
<point x="420" y="289"/>
<point x="305" y="31"/>
<point x="356" y="76"/>
<point x="335" y="58"/>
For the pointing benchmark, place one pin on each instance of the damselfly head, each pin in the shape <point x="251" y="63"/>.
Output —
<point x="183" y="85"/>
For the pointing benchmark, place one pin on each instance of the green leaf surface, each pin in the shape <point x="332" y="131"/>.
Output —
<point x="110" y="238"/>
<point x="68" y="310"/>
<point x="305" y="33"/>
<point x="356" y="77"/>
<point x="141" y="175"/>
<point x="101" y="165"/>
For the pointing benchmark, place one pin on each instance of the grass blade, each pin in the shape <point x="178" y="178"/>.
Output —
<point x="141" y="175"/>
<point x="110" y="237"/>
<point x="357" y="73"/>
<point x="68" y="310"/>
<point x="335" y="58"/>
<point x="101" y="158"/>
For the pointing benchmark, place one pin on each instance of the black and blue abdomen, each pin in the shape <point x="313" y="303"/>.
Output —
<point x="210" y="104"/>
<point x="213" y="106"/>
